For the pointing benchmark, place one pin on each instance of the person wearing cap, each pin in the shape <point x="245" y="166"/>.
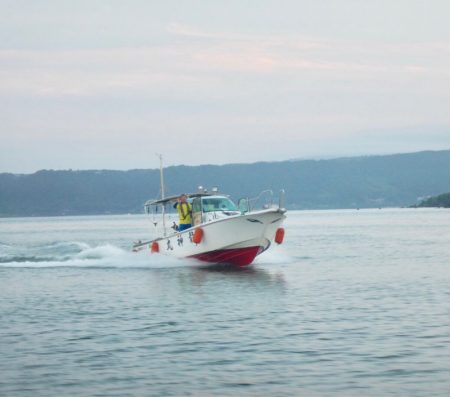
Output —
<point x="184" y="212"/>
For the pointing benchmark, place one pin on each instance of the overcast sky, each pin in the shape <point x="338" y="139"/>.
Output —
<point x="107" y="84"/>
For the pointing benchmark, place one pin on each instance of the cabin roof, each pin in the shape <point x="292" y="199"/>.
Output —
<point x="174" y="198"/>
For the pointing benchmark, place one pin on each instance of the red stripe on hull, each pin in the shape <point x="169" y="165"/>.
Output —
<point x="234" y="256"/>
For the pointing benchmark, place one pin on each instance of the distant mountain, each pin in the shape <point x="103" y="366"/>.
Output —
<point x="354" y="182"/>
<point x="443" y="200"/>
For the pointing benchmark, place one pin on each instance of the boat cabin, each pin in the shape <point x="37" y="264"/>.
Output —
<point x="209" y="208"/>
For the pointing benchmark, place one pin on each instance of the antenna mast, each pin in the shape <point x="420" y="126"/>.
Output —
<point x="161" y="174"/>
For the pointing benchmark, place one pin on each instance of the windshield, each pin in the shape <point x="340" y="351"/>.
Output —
<point x="218" y="204"/>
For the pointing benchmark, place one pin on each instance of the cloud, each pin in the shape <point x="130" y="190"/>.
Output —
<point x="287" y="93"/>
<point x="179" y="68"/>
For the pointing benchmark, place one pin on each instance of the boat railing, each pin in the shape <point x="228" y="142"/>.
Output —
<point x="281" y="199"/>
<point x="263" y="200"/>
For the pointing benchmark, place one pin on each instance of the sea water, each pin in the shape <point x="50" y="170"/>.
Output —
<point x="354" y="303"/>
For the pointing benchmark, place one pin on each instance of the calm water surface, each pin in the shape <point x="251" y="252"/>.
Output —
<point x="355" y="303"/>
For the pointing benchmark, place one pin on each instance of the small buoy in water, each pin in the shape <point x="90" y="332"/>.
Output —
<point x="154" y="247"/>
<point x="279" y="235"/>
<point x="198" y="235"/>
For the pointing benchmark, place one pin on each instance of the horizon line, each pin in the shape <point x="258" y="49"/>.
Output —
<point x="308" y="158"/>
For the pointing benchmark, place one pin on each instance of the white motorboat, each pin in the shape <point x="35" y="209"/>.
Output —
<point x="222" y="232"/>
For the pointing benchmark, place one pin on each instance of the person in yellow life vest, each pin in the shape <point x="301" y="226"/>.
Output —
<point x="184" y="212"/>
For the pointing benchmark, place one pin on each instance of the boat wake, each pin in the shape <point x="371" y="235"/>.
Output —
<point x="275" y="256"/>
<point x="75" y="254"/>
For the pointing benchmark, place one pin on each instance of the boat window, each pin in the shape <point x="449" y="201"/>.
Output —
<point x="196" y="205"/>
<point x="218" y="204"/>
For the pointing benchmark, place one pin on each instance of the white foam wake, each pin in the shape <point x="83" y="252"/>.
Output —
<point x="104" y="256"/>
<point x="275" y="255"/>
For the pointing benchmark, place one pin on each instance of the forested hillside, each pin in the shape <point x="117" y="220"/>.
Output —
<point x="375" y="181"/>
<point x="441" y="201"/>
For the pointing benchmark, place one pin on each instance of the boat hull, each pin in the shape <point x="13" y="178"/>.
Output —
<point x="235" y="256"/>
<point x="236" y="239"/>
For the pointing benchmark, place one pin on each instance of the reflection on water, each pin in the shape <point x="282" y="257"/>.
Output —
<point x="248" y="274"/>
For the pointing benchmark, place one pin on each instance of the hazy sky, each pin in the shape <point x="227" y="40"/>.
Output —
<point x="107" y="84"/>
